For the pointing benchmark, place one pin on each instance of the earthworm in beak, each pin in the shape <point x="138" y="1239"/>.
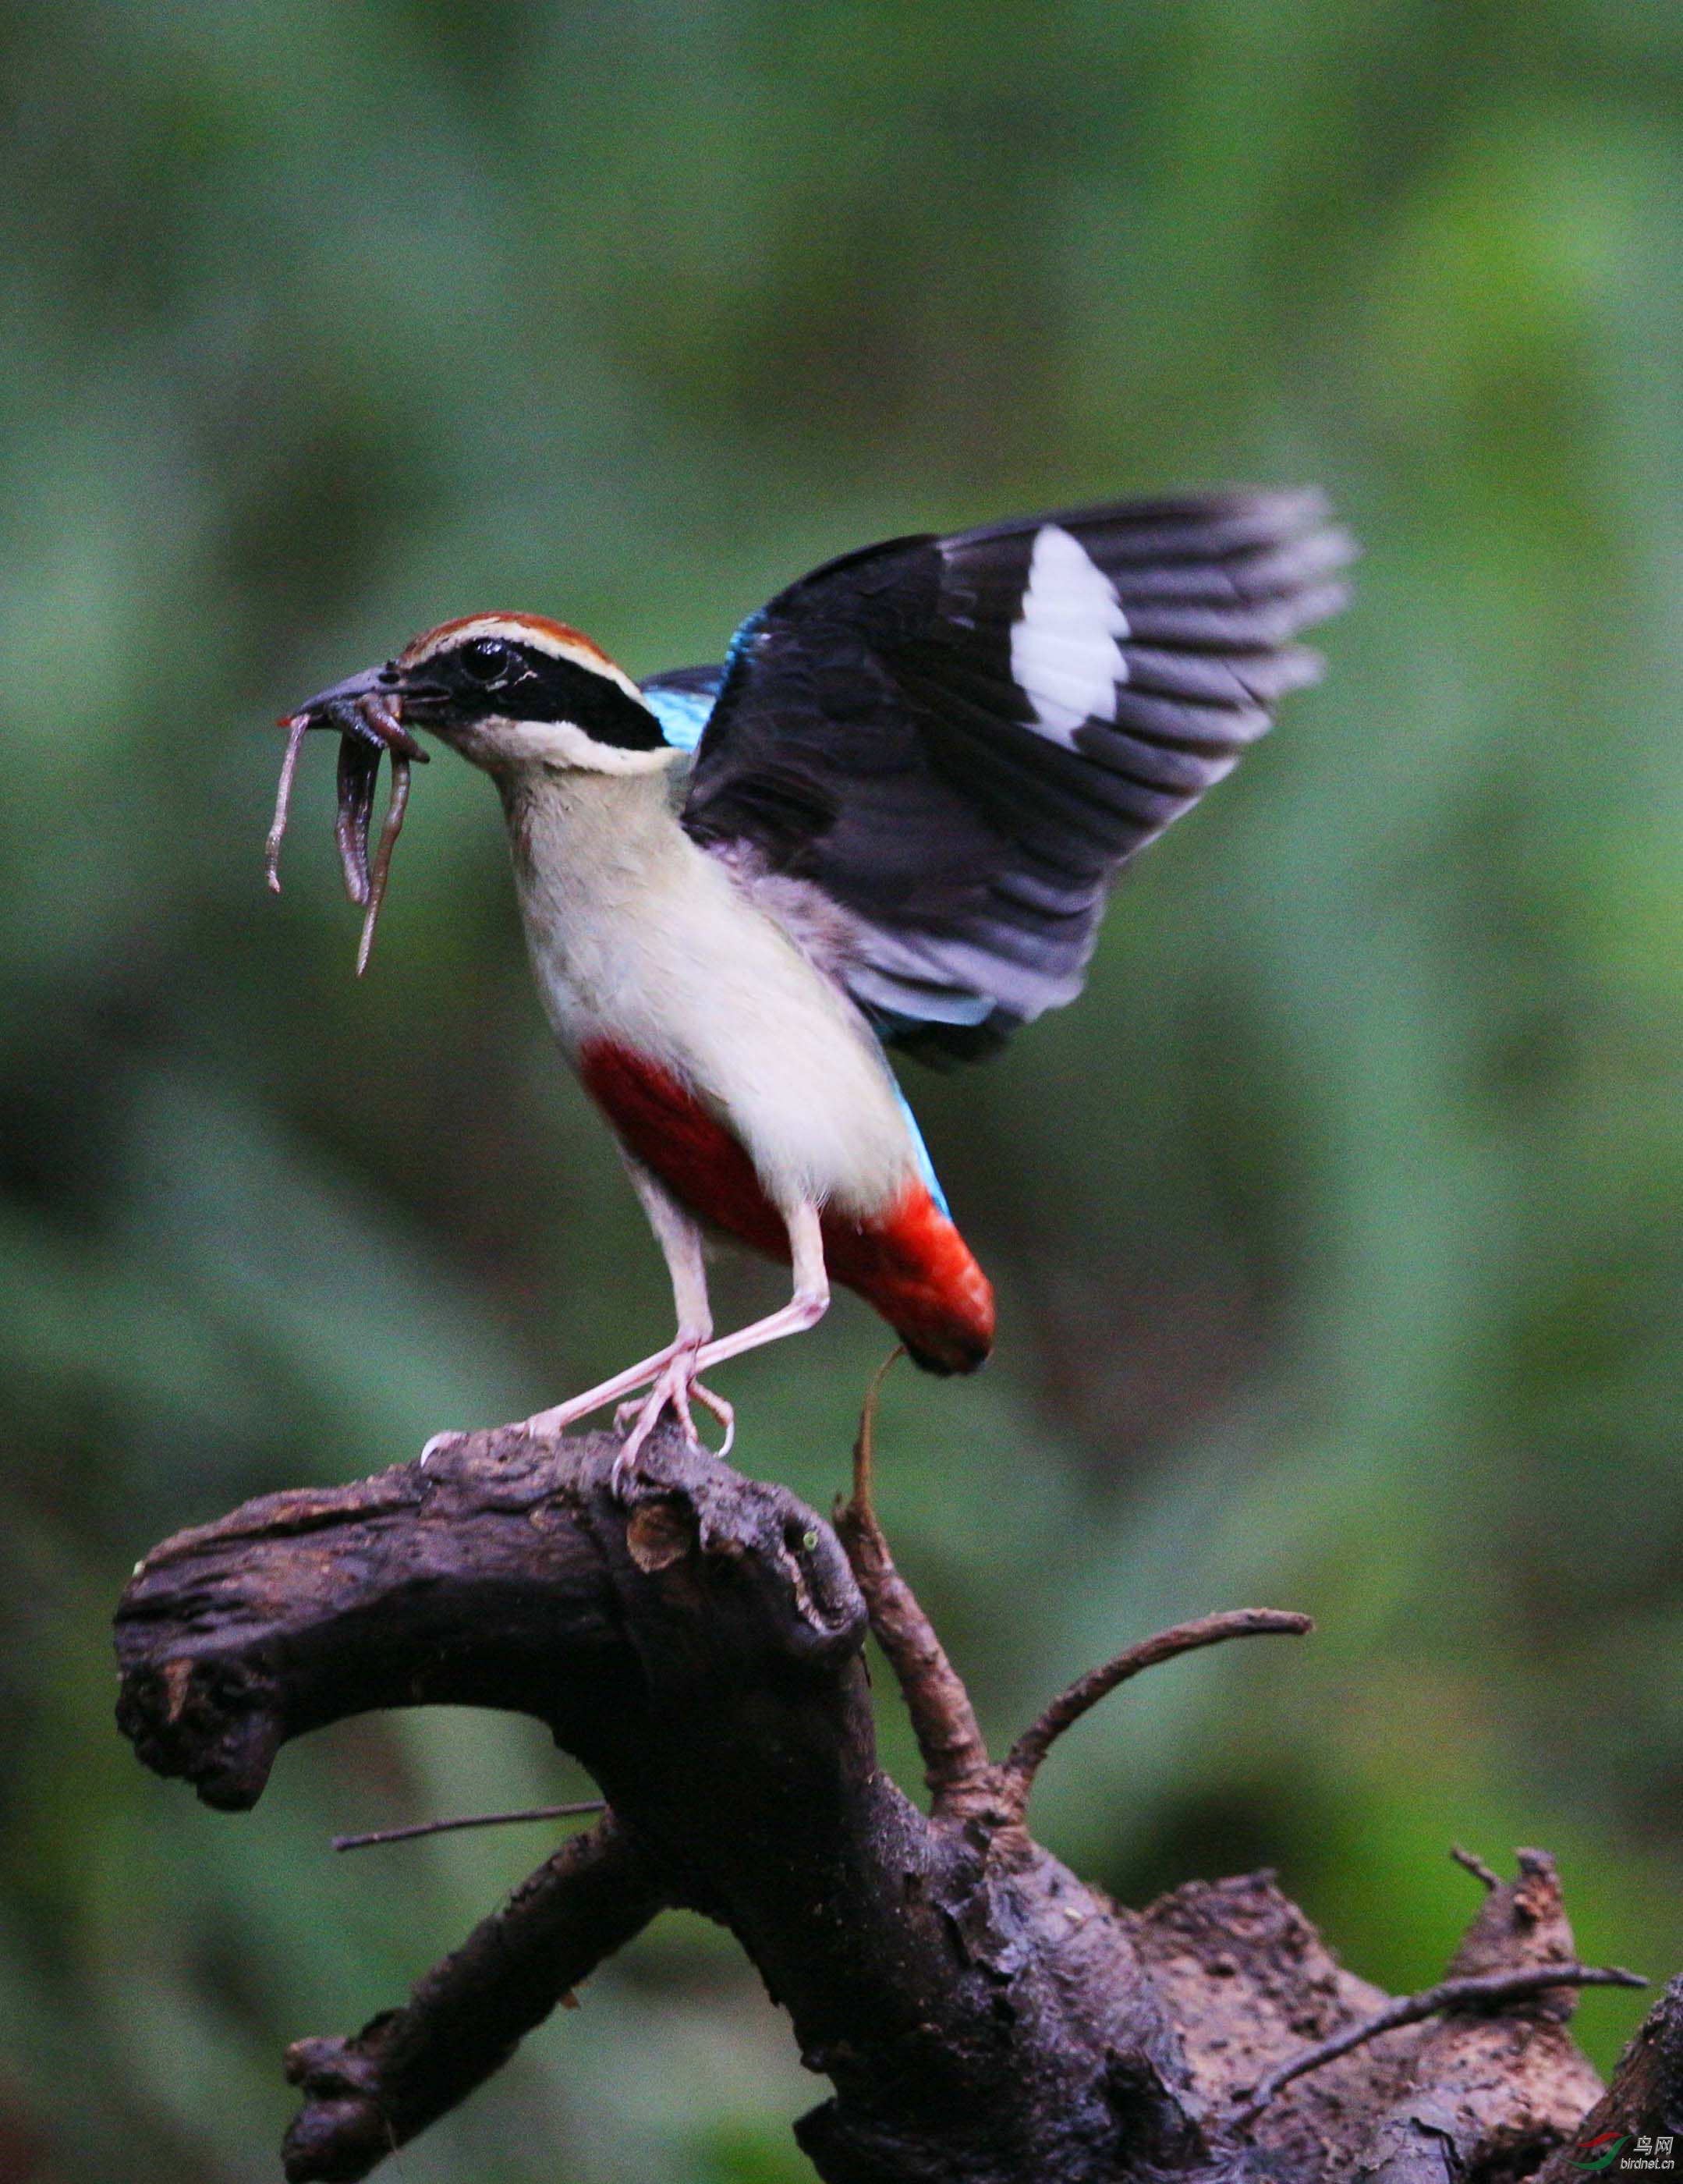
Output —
<point x="382" y="855"/>
<point x="297" y="725"/>
<point x="359" y="770"/>
<point x="364" y="711"/>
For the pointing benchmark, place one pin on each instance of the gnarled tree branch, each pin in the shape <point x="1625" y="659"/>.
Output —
<point x="983" y="2017"/>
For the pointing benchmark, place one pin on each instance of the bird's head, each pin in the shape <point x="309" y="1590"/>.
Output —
<point x="507" y="691"/>
<point x="512" y="693"/>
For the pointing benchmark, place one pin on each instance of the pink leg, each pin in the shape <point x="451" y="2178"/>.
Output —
<point x="674" y="1367"/>
<point x="804" y="1309"/>
<point x="687" y="1343"/>
<point x="542" y="1423"/>
<point x="672" y="1375"/>
<point x="680" y="1242"/>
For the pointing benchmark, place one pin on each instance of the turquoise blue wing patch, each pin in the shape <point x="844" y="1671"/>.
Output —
<point x="682" y="701"/>
<point x="683" y="714"/>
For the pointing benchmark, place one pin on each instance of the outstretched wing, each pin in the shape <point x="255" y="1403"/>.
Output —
<point x="962" y="740"/>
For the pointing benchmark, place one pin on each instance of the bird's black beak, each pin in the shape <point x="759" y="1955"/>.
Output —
<point x="367" y="707"/>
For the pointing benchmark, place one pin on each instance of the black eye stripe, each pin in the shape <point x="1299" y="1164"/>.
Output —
<point x="528" y="684"/>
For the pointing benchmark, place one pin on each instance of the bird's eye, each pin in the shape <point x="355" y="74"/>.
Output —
<point x="487" y="658"/>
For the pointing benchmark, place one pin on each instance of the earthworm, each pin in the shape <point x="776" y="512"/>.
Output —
<point x="382" y="855"/>
<point x="297" y="726"/>
<point x="359" y="770"/>
<point x="368" y="725"/>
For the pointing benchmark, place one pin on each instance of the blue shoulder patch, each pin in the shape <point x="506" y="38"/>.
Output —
<point x="683" y="714"/>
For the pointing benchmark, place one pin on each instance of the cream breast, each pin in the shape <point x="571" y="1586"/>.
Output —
<point x="640" y="937"/>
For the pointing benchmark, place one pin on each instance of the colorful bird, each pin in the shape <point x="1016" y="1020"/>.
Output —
<point x="890" y="819"/>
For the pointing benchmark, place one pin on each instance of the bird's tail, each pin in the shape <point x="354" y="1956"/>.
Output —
<point x="918" y="1272"/>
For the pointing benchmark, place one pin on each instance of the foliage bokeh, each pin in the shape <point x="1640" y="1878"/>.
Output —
<point x="1336" y="1230"/>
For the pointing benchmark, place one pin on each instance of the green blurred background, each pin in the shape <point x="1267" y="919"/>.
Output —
<point x="1336" y="1231"/>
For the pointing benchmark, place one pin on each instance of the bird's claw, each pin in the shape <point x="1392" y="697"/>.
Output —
<point x="676" y="1389"/>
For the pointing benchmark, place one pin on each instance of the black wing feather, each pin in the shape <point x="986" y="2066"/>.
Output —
<point x="928" y="731"/>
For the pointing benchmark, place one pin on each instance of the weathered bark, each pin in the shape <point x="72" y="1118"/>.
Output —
<point x="981" y="2015"/>
<point x="1646" y="2098"/>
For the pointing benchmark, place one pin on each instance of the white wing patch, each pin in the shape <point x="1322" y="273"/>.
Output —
<point x="1065" y="656"/>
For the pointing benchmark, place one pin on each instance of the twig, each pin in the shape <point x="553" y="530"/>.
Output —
<point x="1022" y="1763"/>
<point x="865" y="1441"/>
<point x="1475" y="1865"/>
<point x="467" y="1820"/>
<point x="1486" y="1989"/>
<point x="948" y="1736"/>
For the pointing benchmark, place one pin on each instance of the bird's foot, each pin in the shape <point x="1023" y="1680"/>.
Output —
<point x="675" y="1389"/>
<point x="670" y="1377"/>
